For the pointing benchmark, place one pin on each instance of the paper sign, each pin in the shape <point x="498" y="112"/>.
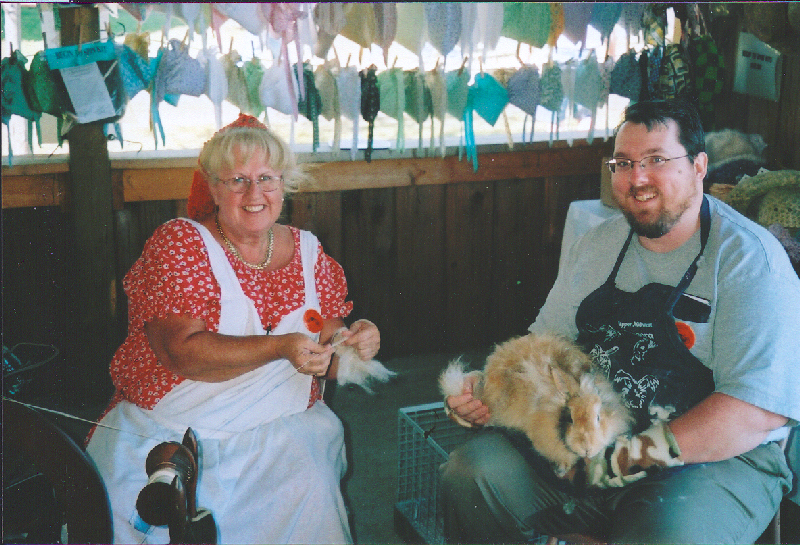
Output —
<point x="88" y="92"/>
<point x="757" y="68"/>
<point x="77" y="55"/>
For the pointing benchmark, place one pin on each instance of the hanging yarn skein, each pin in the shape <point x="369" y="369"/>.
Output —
<point x="370" y="104"/>
<point x="349" y="83"/>
<point x="331" y="110"/>
<point x="391" y="84"/>
<point x="444" y="25"/>
<point x="310" y="105"/>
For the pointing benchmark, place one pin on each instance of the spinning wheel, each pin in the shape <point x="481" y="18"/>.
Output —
<point x="79" y="490"/>
<point x="82" y="511"/>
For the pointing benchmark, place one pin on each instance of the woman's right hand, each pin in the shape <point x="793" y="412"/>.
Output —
<point x="468" y="408"/>
<point x="306" y="355"/>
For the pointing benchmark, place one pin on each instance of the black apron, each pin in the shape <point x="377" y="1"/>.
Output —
<point x="635" y="339"/>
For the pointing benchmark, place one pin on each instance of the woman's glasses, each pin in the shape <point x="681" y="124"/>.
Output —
<point x="241" y="184"/>
<point x="626" y="165"/>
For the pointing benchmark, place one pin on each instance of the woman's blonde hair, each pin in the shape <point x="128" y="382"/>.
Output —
<point x="235" y="145"/>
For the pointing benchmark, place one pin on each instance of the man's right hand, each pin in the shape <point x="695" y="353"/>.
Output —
<point x="465" y="409"/>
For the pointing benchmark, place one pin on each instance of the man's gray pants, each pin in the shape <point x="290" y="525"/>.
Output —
<point x="491" y="493"/>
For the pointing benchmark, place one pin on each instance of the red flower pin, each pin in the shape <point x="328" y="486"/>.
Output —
<point x="686" y="333"/>
<point x="313" y="320"/>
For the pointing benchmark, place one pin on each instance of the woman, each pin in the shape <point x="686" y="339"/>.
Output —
<point x="230" y="318"/>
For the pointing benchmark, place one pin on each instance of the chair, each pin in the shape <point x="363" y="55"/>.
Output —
<point x="78" y="487"/>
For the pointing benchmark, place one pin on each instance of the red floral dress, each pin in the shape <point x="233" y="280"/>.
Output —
<point x="173" y="276"/>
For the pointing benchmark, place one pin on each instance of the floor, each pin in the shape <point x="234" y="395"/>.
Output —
<point x="371" y="427"/>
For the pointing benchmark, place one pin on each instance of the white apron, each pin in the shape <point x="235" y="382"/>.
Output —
<point x="270" y="469"/>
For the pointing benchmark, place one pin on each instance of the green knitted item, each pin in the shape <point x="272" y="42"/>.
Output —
<point x="781" y="206"/>
<point x="673" y="76"/>
<point x="769" y="197"/>
<point x="552" y="91"/>
<point x="310" y="105"/>
<point x="527" y="22"/>
<point x="709" y="70"/>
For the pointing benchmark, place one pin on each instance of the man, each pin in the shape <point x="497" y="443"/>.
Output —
<point x="716" y="300"/>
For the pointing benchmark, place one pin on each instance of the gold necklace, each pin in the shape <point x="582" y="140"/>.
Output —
<point x="258" y="266"/>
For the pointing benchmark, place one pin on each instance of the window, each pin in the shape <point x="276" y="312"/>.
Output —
<point x="192" y="121"/>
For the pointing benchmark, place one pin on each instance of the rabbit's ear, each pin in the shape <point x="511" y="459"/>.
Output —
<point x="562" y="381"/>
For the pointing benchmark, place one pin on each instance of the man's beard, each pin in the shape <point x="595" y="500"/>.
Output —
<point x="653" y="229"/>
<point x="662" y="225"/>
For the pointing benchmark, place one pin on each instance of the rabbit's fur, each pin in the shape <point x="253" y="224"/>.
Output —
<point x="546" y="387"/>
<point x="353" y="370"/>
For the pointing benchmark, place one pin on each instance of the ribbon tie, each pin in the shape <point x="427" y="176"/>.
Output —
<point x="552" y="94"/>
<point x="436" y="83"/>
<point x="524" y="91"/>
<point x="325" y="83"/>
<point x="349" y="84"/>
<point x="488" y="98"/>
<point x="419" y="103"/>
<point x="457" y="83"/>
<point x="283" y="20"/>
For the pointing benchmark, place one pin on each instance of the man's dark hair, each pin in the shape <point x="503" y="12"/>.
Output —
<point x="652" y="112"/>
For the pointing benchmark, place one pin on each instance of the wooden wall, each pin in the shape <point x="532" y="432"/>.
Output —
<point x="777" y="121"/>
<point x="446" y="267"/>
<point x="442" y="258"/>
<point x="437" y="267"/>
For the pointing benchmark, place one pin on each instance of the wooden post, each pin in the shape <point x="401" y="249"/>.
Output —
<point x="91" y="214"/>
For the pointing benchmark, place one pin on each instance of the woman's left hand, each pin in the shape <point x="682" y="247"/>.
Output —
<point x="365" y="338"/>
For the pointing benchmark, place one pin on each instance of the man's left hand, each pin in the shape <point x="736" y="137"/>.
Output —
<point x="632" y="458"/>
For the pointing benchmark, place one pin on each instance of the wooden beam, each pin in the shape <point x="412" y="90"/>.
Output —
<point x="170" y="179"/>
<point x="148" y="184"/>
<point x="34" y="190"/>
<point x="156" y="184"/>
<point x="434" y="170"/>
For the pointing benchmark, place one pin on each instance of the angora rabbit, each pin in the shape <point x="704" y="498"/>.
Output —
<point x="354" y="370"/>
<point x="546" y="387"/>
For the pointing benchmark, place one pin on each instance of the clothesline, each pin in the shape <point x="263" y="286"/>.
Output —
<point x="318" y="87"/>
<point x="442" y="24"/>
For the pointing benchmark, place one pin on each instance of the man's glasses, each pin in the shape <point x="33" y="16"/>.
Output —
<point x="626" y="165"/>
<point x="241" y="184"/>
